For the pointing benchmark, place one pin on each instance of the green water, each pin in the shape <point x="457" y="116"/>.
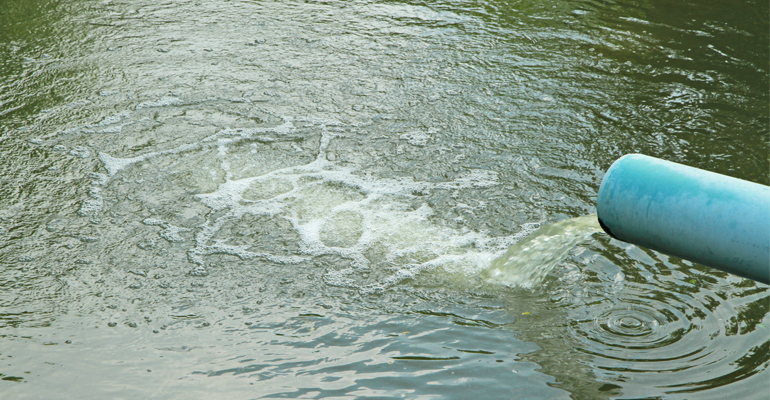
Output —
<point x="256" y="199"/>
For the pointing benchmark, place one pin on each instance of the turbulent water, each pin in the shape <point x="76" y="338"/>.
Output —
<point x="367" y="199"/>
<point x="529" y="261"/>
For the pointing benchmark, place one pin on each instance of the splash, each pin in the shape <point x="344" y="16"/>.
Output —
<point x="527" y="262"/>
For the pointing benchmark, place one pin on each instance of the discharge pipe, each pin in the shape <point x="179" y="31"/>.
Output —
<point x="705" y="217"/>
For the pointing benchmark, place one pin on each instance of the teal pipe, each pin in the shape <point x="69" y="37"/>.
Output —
<point x="705" y="217"/>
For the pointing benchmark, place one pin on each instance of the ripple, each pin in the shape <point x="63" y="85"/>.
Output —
<point x="630" y="331"/>
<point x="664" y="334"/>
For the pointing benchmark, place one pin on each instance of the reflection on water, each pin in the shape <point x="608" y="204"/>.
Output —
<point x="307" y="200"/>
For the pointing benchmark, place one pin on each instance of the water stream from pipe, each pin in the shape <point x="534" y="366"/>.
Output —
<point x="527" y="262"/>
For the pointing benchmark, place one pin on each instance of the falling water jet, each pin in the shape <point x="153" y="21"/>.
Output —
<point x="527" y="262"/>
<point x="702" y="216"/>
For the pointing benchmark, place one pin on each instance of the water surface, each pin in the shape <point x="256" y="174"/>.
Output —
<point x="300" y="199"/>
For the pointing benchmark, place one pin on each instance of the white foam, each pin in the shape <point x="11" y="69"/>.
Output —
<point x="113" y="165"/>
<point x="162" y="102"/>
<point x="374" y="223"/>
<point x="418" y="138"/>
<point x="314" y="194"/>
<point x="170" y="232"/>
<point x="95" y="202"/>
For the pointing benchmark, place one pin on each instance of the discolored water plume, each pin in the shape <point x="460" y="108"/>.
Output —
<point x="527" y="262"/>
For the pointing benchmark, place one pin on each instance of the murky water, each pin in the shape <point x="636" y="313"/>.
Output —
<point x="529" y="261"/>
<point x="307" y="199"/>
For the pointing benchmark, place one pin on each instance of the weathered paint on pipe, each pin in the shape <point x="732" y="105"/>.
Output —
<point x="705" y="217"/>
